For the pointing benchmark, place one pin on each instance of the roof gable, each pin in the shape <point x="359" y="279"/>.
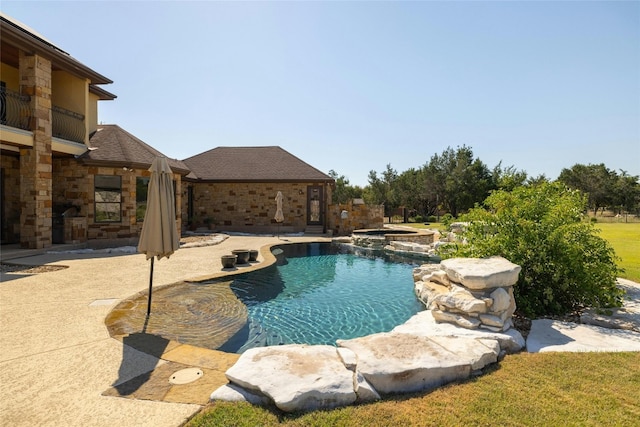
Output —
<point x="269" y="163"/>
<point x="112" y="145"/>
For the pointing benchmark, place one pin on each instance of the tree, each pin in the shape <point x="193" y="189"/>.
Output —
<point x="459" y="180"/>
<point x="508" y="178"/>
<point x="381" y="190"/>
<point x="410" y="190"/>
<point x="565" y="265"/>
<point x="627" y="193"/>
<point x="343" y="191"/>
<point x="596" y="181"/>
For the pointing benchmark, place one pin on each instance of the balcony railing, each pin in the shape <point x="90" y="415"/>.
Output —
<point x="67" y="124"/>
<point x="15" y="111"/>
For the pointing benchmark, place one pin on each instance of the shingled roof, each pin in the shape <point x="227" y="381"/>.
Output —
<point x="242" y="164"/>
<point x="113" y="146"/>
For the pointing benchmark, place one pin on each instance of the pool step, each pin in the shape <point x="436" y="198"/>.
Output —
<point x="314" y="229"/>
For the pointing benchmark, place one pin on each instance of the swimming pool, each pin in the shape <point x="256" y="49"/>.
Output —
<point x="315" y="293"/>
<point x="318" y="293"/>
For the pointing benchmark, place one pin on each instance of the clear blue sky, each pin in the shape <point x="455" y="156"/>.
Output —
<point x="354" y="86"/>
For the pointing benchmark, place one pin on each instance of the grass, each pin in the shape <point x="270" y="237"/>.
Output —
<point x="579" y="389"/>
<point x="625" y="239"/>
<point x="569" y="389"/>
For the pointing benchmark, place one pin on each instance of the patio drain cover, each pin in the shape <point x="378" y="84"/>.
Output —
<point x="185" y="376"/>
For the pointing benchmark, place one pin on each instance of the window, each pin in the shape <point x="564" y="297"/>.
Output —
<point x="108" y="198"/>
<point x="142" y="186"/>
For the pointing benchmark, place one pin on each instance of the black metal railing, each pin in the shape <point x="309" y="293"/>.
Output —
<point x="15" y="109"/>
<point x="67" y="124"/>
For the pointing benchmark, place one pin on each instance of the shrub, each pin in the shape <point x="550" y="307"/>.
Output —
<point x="432" y="218"/>
<point x="447" y="219"/>
<point x="565" y="265"/>
<point x="417" y="218"/>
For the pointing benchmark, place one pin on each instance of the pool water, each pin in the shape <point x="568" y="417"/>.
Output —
<point x="318" y="293"/>
<point x="315" y="293"/>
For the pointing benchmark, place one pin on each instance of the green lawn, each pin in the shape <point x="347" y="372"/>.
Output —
<point x="625" y="239"/>
<point x="541" y="389"/>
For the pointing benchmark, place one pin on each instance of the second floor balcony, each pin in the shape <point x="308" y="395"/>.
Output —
<point x="16" y="111"/>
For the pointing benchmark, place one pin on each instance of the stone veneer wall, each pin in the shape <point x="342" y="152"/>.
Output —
<point x="35" y="162"/>
<point x="11" y="189"/>
<point x="359" y="216"/>
<point x="249" y="206"/>
<point x="74" y="184"/>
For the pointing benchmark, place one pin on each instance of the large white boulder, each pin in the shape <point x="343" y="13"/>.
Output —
<point x="481" y="273"/>
<point x="296" y="377"/>
<point x="398" y="363"/>
<point x="424" y="324"/>
<point x="233" y="393"/>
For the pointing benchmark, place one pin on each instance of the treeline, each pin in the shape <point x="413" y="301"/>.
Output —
<point x="454" y="181"/>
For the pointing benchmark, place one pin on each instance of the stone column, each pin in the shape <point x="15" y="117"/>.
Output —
<point x="35" y="162"/>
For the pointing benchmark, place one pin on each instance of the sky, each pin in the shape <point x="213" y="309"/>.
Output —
<point x="356" y="86"/>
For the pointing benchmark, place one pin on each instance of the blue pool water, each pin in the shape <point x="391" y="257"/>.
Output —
<point x="318" y="293"/>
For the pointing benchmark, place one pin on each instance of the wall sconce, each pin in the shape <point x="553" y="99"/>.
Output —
<point x="300" y="192"/>
<point x="344" y="215"/>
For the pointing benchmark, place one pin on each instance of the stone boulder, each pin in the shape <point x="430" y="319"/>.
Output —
<point x="296" y="377"/>
<point x="399" y="363"/>
<point x="481" y="273"/>
<point x="469" y="292"/>
<point x="424" y="324"/>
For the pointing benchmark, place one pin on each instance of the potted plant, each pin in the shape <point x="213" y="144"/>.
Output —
<point x="228" y="261"/>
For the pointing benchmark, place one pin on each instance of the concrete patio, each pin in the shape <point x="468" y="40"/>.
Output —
<point x="57" y="357"/>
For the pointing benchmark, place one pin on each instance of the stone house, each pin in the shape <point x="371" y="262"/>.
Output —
<point x="234" y="188"/>
<point x="64" y="178"/>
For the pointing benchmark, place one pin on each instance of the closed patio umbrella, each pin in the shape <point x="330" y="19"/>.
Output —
<point x="159" y="236"/>
<point x="279" y="215"/>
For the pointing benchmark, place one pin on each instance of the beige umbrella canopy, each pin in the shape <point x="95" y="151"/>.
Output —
<point x="279" y="215"/>
<point x="159" y="236"/>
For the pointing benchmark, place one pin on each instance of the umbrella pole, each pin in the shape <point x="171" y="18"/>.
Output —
<point x="150" y="285"/>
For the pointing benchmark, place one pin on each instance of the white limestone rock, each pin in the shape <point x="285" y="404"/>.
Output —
<point x="424" y="324"/>
<point x="364" y="391"/>
<point x="427" y="292"/>
<point x="456" y="319"/>
<point x="348" y="358"/>
<point x="423" y="270"/>
<point x="398" y="363"/>
<point x="233" y="393"/>
<point x="491" y="320"/>
<point x="501" y="300"/>
<point x="461" y="299"/>
<point x="441" y="277"/>
<point x="296" y="377"/>
<point x="481" y="273"/>
<point x="479" y="353"/>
